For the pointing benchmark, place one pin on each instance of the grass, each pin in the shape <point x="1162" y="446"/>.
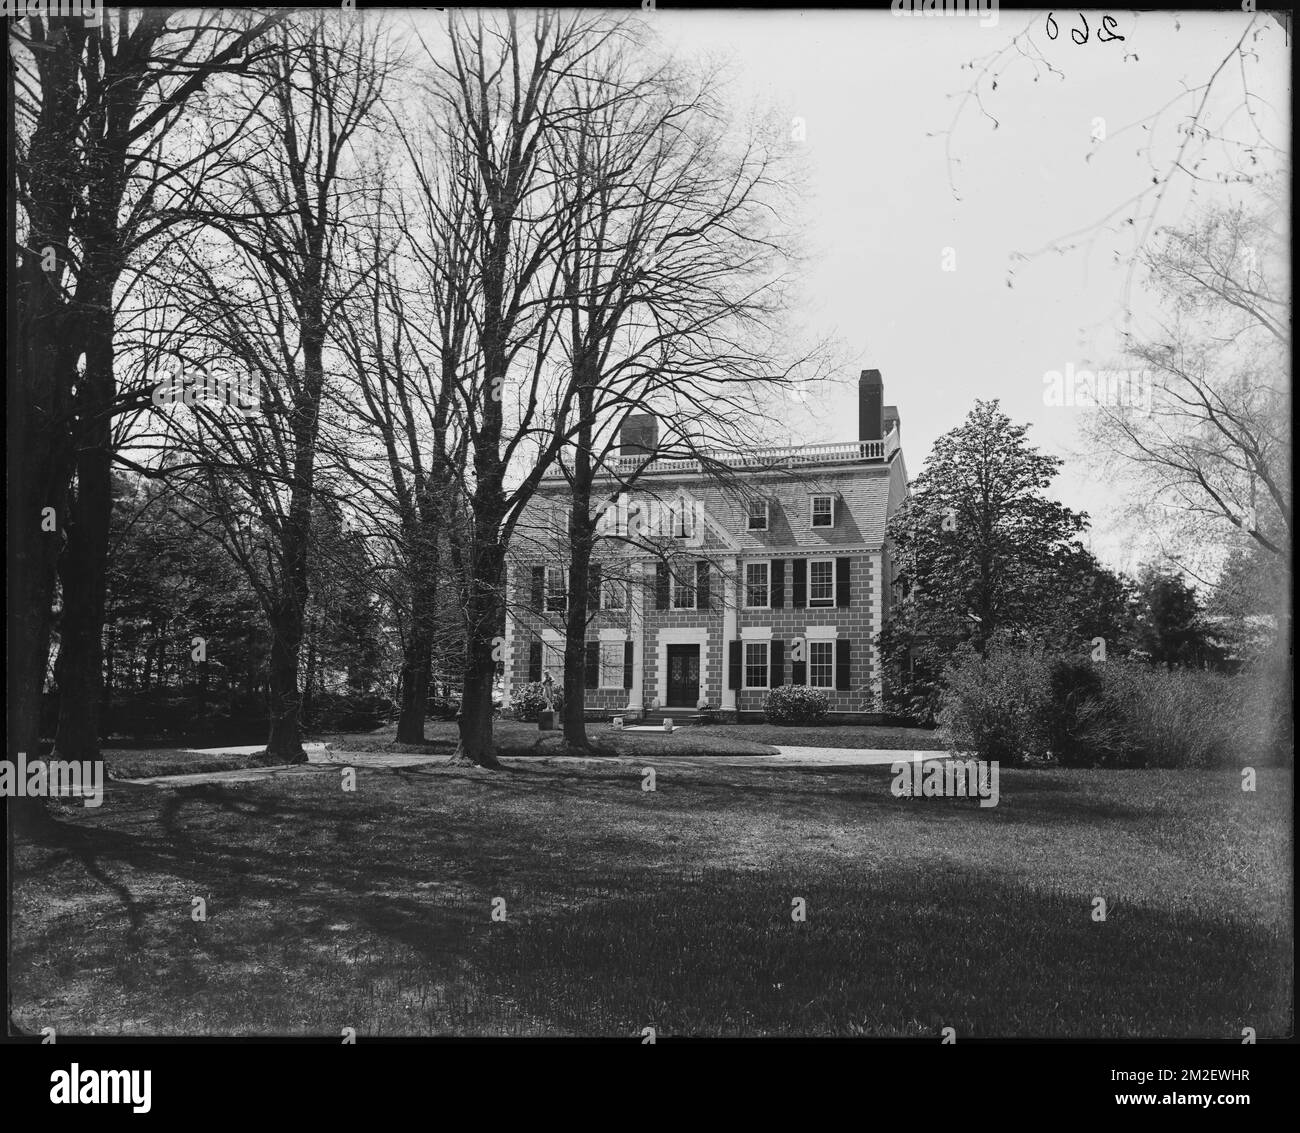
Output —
<point x="519" y="739"/>
<point x="514" y="738"/>
<point x="144" y="763"/>
<point x="627" y="908"/>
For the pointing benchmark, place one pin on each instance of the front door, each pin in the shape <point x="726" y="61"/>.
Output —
<point x="683" y="676"/>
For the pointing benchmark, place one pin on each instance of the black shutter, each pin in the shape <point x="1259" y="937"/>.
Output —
<point x="539" y="589"/>
<point x="661" y="587"/>
<point x="534" y="661"/>
<point x="842" y="581"/>
<point x="843" y="665"/>
<point x="778" y="584"/>
<point x="799" y="592"/>
<point x="593" y="587"/>
<point x="592" y="674"/>
<point x="799" y="672"/>
<point x="733" y="666"/>
<point x="777" y="675"/>
<point x="627" y="664"/>
<point x="701" y="586"/>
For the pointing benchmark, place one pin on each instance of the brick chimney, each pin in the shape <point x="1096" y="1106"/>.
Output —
<point x="871" y="402"/>
<point x="639" y="435"/>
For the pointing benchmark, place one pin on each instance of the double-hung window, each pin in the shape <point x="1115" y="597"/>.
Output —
<point x="821" y="664"/>
<point x="611" y="664"/>
<point x="821" y="582"/>
<point x="756" y="663"/>
<point x="756" y="585"/>
<point x="823" y="511"/>
<point x="758" y="515"/>
<point x="613" y="594"/>
<point x="557" y="590"/>
<point x="683" y="591"/>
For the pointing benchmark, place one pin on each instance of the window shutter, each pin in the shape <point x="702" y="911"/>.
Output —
<point x="799" y="672"/>
<point x="799" y="593"/>
<point x="778" y="584"/>
<point x="627" y="664"/>
<point x="661" y="587"/>
<point x="842" y="581"/>
<point x="539" y="589"/>
<point x="592" y="673"/>
<point x="843" y="665"/>
<point x="777" y="676"/>
<point x="534" y="661"/>
<point x="701" y="586"/>
<point x="593" y="587"/>
<point x="733" y="666"/>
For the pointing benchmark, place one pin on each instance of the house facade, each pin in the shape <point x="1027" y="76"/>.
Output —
<point x="714" y="588"/>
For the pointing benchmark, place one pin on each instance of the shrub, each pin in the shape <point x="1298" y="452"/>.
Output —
<point x="1177" y="718"/>
<point x="346" y="712"/>
<point x="529" y="700"/>
<point x="441" y="708"/>
<point x="795" y="704"/>
<point x="1015" y="704"/>
<point x="998" y="705"/>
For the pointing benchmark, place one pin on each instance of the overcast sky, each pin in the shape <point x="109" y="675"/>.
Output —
<point x="874" y="91"/>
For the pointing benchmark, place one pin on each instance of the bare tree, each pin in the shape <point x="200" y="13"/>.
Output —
<point x="97" y="179"/>
<point x="674" y="263"/>
<point x="262" y="294"/>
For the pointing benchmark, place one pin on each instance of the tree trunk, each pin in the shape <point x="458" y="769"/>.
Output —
<point x="581" y="532"/>
<point x="415" y="684"/>
<point x="285" y="741"/>
<point x="417" y="657"/>
<point x="581" y="540"/>
<point x="83" y="567"/>
<point x="485" y="610"/>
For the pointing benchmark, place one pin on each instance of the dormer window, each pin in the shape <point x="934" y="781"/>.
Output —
<point x="758" y="515"/>
<point x="823" y="511"/>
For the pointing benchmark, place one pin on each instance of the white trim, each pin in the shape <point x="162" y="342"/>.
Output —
<point x="744" y="584"/>
<point x="615" y="583"/>
<point x="696" y="635"/>
<point x="756" y="632"/>
<point x="812" y="497"/>
<point x="821" y="605"/>
<point x="807" y="665"/>
<point x="744" y="661"/>
<point x="546" y="589"/>
<point x="750" y="516"/>
<point x="730" y="621"/>
<point x="610" y="637"/>
<point x="821" y="633"/>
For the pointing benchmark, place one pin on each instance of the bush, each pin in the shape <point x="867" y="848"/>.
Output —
<point x="795" y="704"/>
<point x="346" y="712"/>
<point x="1177" y="718"/>
<point x="1016" y="704"/>
<point x="998" y="706"/>
<point x="529" y="700"/>
<point x="440" y="708"/>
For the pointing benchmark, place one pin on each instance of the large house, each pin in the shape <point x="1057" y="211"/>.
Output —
<point x="711" y="590"/>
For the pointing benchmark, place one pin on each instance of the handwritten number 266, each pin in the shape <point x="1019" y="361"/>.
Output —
<point x="1106" y="34"/>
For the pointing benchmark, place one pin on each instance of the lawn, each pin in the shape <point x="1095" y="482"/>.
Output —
<point x="626" y="908"/>
<point x="519" y="739"/>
